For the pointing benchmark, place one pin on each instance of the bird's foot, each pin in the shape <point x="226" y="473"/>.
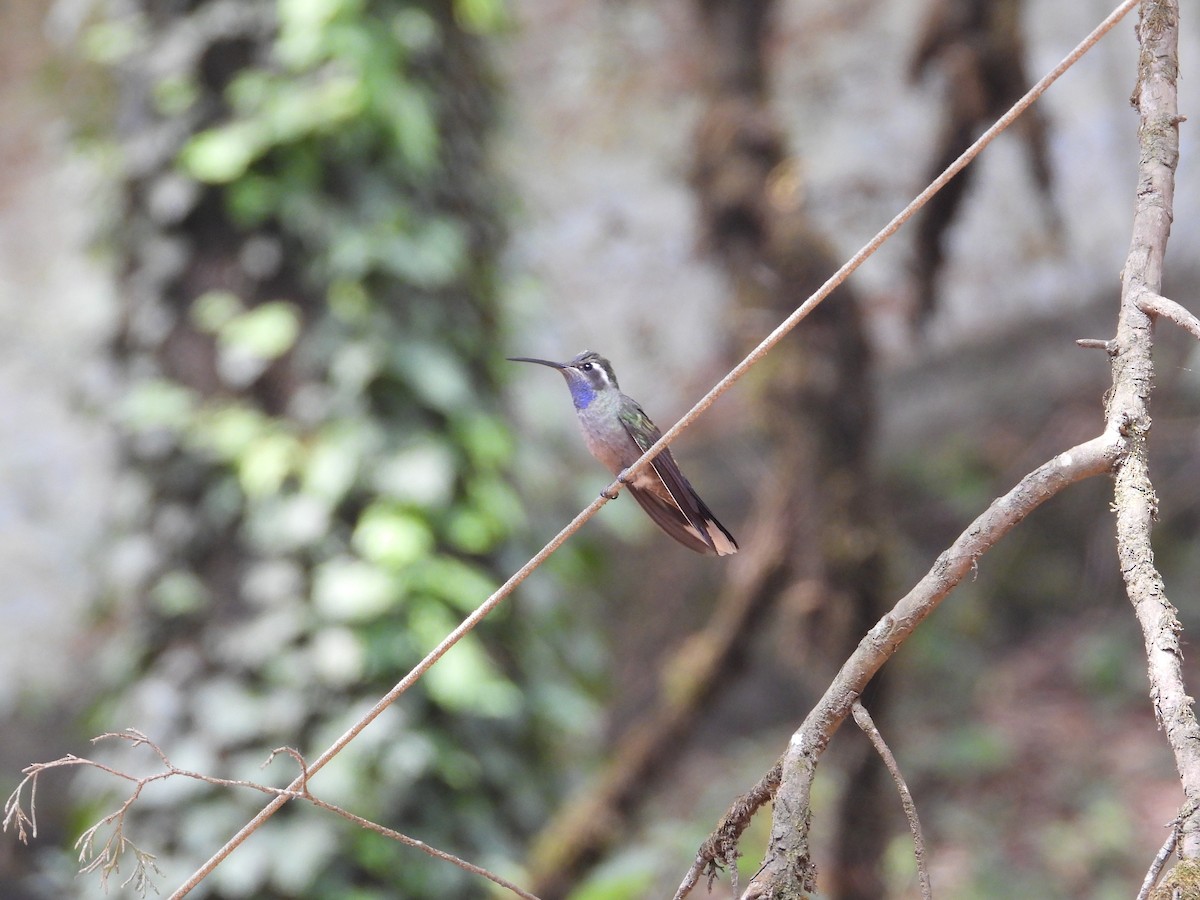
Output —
<point x="612" y="495"/>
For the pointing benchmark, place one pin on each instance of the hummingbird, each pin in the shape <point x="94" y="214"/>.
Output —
<point x="618" y="431"/>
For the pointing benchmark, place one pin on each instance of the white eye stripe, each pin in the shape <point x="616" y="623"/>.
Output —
<point x="595" y="373"/>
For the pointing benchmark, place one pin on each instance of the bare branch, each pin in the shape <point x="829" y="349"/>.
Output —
<point x="788" y="866"/>
<point x="790" y="853"/>
<point x="864" y="721"/>
<point x="790" y="781"/>
<point x="1128" y="410"/>
<point x="720" y="848"/>
<point x="1096" y="344"/>
<point x="15" y="815"/>
<point x="106" y="858"/>
<point x="422" y="846"/>
<point x="301" y="764"/>
<point x="1160" y="860"/>
<point x="1163" y="307"/>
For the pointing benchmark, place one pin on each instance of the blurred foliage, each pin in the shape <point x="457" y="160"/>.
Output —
<point x="319" y="485"/>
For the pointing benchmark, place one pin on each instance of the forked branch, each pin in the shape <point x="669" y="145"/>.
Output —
<point x="106" y="857"/>
<point x="788" y="866"/>
<point x="1165" y="308"/>
<point x="1121" y="449"/>
<point x="1128" y="410"/>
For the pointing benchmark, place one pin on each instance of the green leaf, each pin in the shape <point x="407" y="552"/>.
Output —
<point x="175" y="95"/>
<point x="230" y="429"/>
<point x="158" y="403"/>
<point x="266" y="462"/>
<point x="471" y="532"/>
<point x="350" y="590"/>
<point x="414" y="126"/>
<point x="460" y="584"/>
<point x="392" y="537"/>
<point x="481" y="16"/>
<point x="496" y="498"/>
<point x="212" y="310"/>
<point x="178" y="593"/>
<point x="338" y="656"/>
<point x="252" y="199"/>
<point x="349" y="301"/>
<point x="422" y="473"/>
<point x="112" y="41"/>
<point x="288" y="523"/>
<point x="333" y="461"/>
<point x="430" y="257"/>
<point x="464" y="680"/>
<point x="223" y="154"/>
<point x="299" y="111"/>
<point x="353" y="365"/>
<point x="267" y="331"/>
<point x="302" y="29"/>
<point x="437" y="377"/>
<point x="487" y="439"/>
<point x="415" y="30"/>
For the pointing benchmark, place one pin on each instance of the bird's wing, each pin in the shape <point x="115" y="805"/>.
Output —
<point x="684" y="515"/>
<point x="667" y="516"/>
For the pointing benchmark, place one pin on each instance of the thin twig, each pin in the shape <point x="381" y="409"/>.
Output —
<point x="420" y="845"/>
<point x="106" y="859"/>
<point x="1160" y="860"/>
<point x="691" y="876"/>
<point x="1163" y="307"/>
<point x="864" y="721"/>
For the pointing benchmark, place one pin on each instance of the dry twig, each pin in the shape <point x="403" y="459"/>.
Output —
<point x="1163" y="307"/>
<point x="863" y="719"/>
<point x="107" y="858"/>
<point x="1160" y="860"/>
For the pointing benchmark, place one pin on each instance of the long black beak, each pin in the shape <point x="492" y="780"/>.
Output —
<point x="540" y="362"/>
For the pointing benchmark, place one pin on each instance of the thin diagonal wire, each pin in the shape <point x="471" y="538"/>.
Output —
<point x="388" y="699"/>
<point x="868" y="250"/>
<point x="673" y="432"/>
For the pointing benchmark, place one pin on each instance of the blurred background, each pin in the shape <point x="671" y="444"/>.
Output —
<point x="260" y="265"/>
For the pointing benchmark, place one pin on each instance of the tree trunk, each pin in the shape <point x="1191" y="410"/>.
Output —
<point x="815" y="406"/>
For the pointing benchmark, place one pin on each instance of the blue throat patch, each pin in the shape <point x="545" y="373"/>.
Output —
<point x="582" y="393"/>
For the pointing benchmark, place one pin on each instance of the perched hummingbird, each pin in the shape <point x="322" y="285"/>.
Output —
<point x="617" y="432"/>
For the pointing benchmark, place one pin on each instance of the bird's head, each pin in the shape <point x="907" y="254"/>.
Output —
<point x="587" y="375"/>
